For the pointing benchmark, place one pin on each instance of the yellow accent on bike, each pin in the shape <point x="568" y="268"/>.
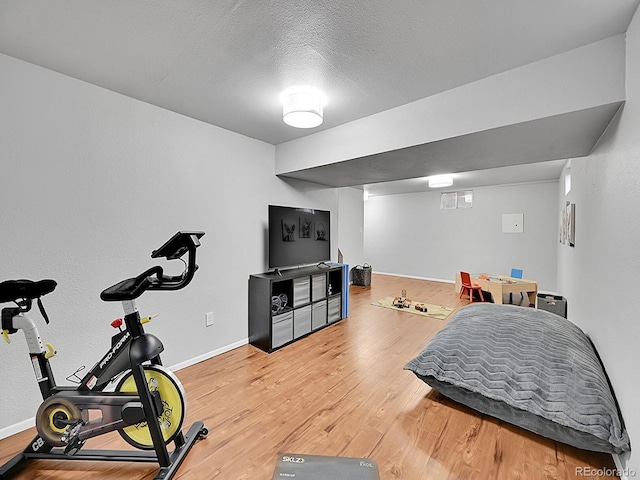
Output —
<point x="52" y="415"/>
<point x="173" y="401"/>
<point x="5" y="335"/>
<point x="148" y="319"/>
<point x="51" y="352"/>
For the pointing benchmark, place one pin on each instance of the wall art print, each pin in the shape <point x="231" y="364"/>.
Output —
<point x="571" y="224"/>
<point x="288" y="230"/>
<point x="321" y="232"/>
<point x="306" y="227"/>
<point x="567" y="234"/>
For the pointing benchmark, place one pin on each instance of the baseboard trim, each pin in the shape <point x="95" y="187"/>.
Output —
<point x="623" y="472"/>
<point x="415" y="277"/>
<point x="441" y="280"/>
<point x="207" y="356"/>
<point x="17" y="427"/>
<point x="30" y="422"/>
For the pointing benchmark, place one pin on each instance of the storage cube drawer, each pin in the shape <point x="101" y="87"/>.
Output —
<point x="301" y="321"/>
<point x="318" y="287"/>
<point x="318" y="314"/>
<point x="553" y="303"/>
<point x="335" y="308"/>
<point x="301" y="291"/>
<point x="282" y="329"/>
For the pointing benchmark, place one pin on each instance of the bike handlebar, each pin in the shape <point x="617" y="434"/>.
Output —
<point x="183" y="242"/>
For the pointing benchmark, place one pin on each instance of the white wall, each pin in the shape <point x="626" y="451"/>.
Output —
<point x="599" y="276"/>
<point x="351" y="223"/>
<point x="410" y="235"/>
<point x="92" y="182"/>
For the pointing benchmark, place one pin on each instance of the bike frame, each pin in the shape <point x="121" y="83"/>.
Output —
<point x="130" y="350"/>
<point x="115" y="362"/>
<point x="118" y="359"/>
<point x="13" y="319"/>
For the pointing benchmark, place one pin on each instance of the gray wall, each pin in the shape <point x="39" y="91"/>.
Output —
<point x="410" y="235"/>
<point x="92" y="182"/>
<point x="599" y="276"/>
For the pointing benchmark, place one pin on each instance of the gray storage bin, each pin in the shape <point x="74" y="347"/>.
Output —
<point x="334" y="309"/>
<point x="553" y="303"/>
<point x="301" y="321"/>
<point x="282" y="329"/>
<point x="318" y="287"/>
<point x="301" y="291"/>
<point x="318" y="315"/>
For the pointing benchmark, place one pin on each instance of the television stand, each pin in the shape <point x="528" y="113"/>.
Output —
<point x="285" y="306"/>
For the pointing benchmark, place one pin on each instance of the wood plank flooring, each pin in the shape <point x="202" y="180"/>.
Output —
<point x="340" y="391"/>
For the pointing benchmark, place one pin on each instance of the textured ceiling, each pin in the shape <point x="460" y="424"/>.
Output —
<point x="226" y="62"/>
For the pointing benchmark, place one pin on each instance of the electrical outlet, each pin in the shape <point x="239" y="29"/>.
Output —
<point x="208" y="319"/>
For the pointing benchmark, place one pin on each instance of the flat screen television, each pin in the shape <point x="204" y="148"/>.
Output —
<point x="298" y="236"/>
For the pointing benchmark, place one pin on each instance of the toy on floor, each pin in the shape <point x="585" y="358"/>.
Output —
<point x="422" y="307"/>
<point x="403" y="301"/>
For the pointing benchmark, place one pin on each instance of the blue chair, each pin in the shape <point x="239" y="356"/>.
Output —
<point x="516" y="273"/>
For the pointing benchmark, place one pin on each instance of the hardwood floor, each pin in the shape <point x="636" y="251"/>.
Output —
<point x="341" y="391"/>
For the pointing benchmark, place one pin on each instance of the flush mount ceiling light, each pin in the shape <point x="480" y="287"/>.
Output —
<point x="439" y="181"/>
<point x="302" y="109"/>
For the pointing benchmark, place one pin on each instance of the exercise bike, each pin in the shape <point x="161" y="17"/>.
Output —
<point x="128" y="390"/>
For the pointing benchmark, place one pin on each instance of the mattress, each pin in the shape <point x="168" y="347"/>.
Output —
<point x="528" y="367"/>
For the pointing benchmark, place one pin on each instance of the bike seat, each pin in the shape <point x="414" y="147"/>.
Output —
<point x="12" y="290"/>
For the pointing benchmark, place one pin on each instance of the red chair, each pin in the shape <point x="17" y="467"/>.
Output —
<point x="468" y="287"/>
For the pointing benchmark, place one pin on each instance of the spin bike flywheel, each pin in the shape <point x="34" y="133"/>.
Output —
<point x="173" y="401"/>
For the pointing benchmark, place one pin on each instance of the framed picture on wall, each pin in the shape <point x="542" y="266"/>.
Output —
<point x="561" y="226"/>
<point x="571" y="224"/>
<point x="568" y="224"/>
<point x="306" y="227"/>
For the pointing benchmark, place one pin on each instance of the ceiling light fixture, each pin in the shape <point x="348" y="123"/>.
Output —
<point x="302" y="109"/>
<point x="439" y="181"/>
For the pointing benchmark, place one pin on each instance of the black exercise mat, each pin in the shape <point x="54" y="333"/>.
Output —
<point x="317" y="467"/>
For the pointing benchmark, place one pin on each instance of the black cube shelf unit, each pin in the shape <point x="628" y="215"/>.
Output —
<point x="288" y="306"/>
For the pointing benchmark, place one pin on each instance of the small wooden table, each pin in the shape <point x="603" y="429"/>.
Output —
<point x="501" y="284"/>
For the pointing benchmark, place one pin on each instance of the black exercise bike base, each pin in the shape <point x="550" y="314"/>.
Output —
<point x="165" y="473"/>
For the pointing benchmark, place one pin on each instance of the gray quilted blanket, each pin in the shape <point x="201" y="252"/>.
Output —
<point x="528" y="367"/>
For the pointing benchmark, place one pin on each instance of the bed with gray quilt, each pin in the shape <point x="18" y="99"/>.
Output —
<point x="527" y="367"/>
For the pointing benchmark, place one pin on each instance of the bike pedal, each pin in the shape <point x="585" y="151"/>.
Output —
<point x="71" y="434"/>
<point x="73" y="447"/>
